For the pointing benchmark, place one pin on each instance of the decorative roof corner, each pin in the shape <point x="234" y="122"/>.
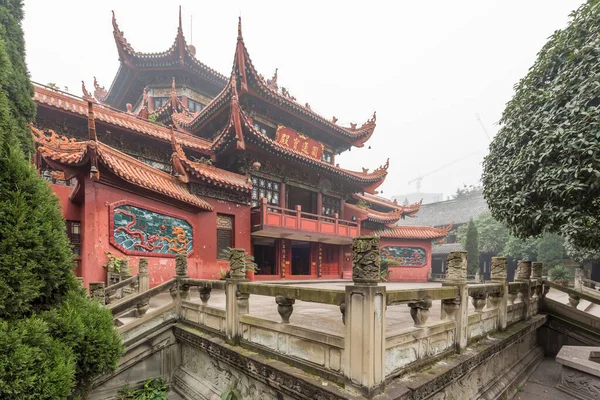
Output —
<point x="100" y="92"/>
<point x="123" y="47"/>
<point x="86" y="95"/>
<point x="272" y="83"/>
<point x="176" y="159"/>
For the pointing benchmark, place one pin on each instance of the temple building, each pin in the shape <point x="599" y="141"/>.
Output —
<point x="176" y="158"/>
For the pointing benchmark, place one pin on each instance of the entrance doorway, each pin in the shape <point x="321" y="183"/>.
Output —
<point x="301" y="197"/>
<point x="265" y="256"/>
<point x="300" y="258"/>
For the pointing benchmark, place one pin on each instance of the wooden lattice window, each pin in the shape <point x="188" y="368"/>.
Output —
<point x="331" y="205"/>
<point x="224" y="234"/>
<point x="265" y="188"/>
<point x="74" y="234"/>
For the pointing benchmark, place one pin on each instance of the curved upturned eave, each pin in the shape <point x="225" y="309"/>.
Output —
<point x="354" y="137"/>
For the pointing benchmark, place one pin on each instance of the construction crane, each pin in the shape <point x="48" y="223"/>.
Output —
<point x="419" y="178"/>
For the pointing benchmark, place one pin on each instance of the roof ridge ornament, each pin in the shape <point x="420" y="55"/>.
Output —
<point x="86" y="94"/>
<point x="99" y="91"/>
<point x="176" y="158"/>
<point x="272" y="83"/>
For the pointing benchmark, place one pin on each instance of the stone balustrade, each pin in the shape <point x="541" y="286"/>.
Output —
<point x="365" y="354"/>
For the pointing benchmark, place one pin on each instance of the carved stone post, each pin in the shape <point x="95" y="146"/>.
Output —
<point x="97" y="292"/>
<point x="125" y="272"/>
<point x="285" y="307"/>
<point x="579" y="275"/>
<point x="143" y="277"/>
<point x="536" y="269"/>
<point x="523" y="270"/>
<point x="419" y="311"/>
<point x="522" y="275"/>
<point x="181" y="290"/>
<point x="365" y="319"/>
<point x="237" y="266"/>
<point x="498" y="275"/>
<point x="181" y="267"/>
<point x="536" y="275"/>
<point x="456" y="275"/>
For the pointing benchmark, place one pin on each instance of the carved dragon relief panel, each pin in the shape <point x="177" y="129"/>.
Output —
<point x="137" y="230"/>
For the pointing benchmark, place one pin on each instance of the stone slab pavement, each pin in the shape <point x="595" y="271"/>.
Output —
<point x="542" y="383"/>
<point x="314" y="316"/>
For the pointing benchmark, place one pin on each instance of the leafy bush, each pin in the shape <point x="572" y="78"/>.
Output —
<point x="541" y="174"/>
<point x="154" y="389"/>
<point x="33" y="365"/>
<point x="560" y="274"/>
<point x="87" y="328"/>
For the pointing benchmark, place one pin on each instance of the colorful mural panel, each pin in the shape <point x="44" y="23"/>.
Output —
<point x="405" y="256"/>
<point x="137" y="230"/>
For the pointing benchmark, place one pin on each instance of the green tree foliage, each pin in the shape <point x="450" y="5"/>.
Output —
<point x="38" y="359"/>
<point x="472" y="248"/>
<point x="492" y="235"/>
<point x="33" y="365"/>
<point x="550" y="250"/>
<point x="520" y="249"/>
<point x="465" y="191"/>
<point x="14" y="78"/>
<point x="581" y="255"/>
<point x="35" y="259"/>
<point x="543" y="170"/>
<point x="83" y="324"/>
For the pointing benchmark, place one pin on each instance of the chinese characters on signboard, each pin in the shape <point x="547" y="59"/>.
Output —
<point x="296" y="141"/>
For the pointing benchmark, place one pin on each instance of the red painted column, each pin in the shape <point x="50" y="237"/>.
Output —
<point x="91" y="254"/>
<point x="282" y="195"/>
<point x="319" y="203"/>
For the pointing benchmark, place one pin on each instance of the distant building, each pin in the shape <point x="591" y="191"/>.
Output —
<point x="411" y="198"/>
<point x="456" y="212"/>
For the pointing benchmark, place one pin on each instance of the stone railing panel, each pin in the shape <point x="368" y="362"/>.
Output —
<point x="412" y="346"/>
<point x="305" y="346"/>
<point x="204" y="316"/>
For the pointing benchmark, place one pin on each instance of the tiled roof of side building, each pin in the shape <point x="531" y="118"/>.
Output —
<point x="413" y="232"/>
<point x="70" y="153"/>
<point x="446" y="248"/>
<point x="63" y="101"/>
<point x="457" y="211"/>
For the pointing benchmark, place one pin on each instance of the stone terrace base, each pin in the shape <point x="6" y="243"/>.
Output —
<point x="580" y="376"/>
<point x="493" y="368"/>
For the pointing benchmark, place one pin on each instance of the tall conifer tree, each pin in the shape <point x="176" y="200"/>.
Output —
<point x="472" y="248"/>
<point x="53" y="340"/>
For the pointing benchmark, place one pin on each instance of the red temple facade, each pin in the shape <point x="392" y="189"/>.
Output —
<point x="176" y="158"/>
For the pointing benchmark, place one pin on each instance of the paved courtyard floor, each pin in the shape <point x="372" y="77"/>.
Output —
<point x="320" y="317"/>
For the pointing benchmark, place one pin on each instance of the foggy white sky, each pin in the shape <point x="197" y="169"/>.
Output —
<point x="426" y="67"/>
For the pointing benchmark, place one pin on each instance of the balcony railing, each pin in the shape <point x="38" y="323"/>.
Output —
<point x="271" y="216"/>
